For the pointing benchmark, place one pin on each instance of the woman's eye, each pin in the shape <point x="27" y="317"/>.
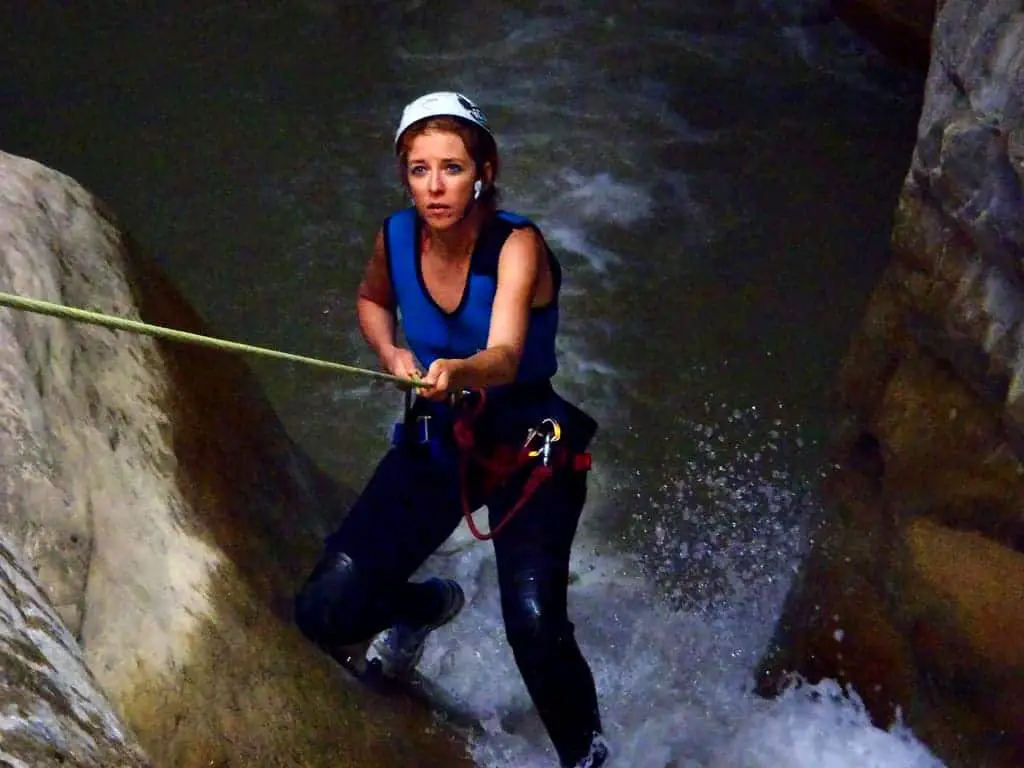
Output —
<point x="417" y="170"/>
<point x="453" y="168"/>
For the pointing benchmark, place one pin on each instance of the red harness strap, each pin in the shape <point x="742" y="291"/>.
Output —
<point x="502" y="464"/>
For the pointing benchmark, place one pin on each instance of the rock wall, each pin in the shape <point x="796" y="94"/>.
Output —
<point x="914" y="592"/>
<point x="52" y="712"/>
<point x="169" y="518"/>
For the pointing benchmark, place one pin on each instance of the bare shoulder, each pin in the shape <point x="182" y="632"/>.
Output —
<point x="525" y="262"/>
<point x="527" y="237"/>
<point x="524" y="249"/>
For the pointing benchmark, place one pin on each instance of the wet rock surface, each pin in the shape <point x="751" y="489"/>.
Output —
<point x="916" y="582"/>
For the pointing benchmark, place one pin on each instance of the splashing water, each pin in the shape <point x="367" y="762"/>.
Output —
<point x="673" y="635"/>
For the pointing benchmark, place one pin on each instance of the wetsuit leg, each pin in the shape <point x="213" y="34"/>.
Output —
<point x="360" y="585"/>
<point x="533" y="573"/>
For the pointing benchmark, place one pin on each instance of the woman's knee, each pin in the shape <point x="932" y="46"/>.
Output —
<point x="534" y="589"/>
<point x="535" y="630"/>
<point x="331" y="593"/>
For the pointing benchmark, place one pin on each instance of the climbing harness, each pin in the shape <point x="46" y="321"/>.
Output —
<point x="543" y="452"/>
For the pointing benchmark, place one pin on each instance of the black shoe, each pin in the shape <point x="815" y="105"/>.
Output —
<point x="398" y="650"/>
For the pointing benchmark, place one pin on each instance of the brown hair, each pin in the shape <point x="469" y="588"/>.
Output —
<point x="479" y="144"/>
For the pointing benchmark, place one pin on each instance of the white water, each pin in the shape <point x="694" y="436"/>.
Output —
<point x="672" y="655"/>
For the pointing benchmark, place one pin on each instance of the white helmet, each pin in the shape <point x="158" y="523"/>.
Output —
<point x="441" y="104"/>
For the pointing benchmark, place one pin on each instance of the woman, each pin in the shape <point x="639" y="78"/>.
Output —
<point x="477" y="293"/>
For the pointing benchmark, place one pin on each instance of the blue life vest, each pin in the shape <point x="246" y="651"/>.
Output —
<point x="433" y="333"/>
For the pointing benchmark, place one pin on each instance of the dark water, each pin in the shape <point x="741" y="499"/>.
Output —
<point x="719" y="182"/>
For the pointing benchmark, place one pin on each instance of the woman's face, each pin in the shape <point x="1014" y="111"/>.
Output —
<point x="440" y="174"/>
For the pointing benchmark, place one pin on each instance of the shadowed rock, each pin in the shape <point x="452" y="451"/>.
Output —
<point x="53" y="712"/>
<point x="900" y="29"/>
<point x="159" y="502"/>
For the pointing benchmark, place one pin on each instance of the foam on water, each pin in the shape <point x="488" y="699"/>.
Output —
<point x="673" y="635"/>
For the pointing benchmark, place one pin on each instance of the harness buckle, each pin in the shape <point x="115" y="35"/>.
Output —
<point x="423" y="422"/>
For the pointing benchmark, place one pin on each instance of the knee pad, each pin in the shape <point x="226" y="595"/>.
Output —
<point x="332" y="584"/>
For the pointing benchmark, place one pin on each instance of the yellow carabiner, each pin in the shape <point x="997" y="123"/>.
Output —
<point x="551" y="437"/>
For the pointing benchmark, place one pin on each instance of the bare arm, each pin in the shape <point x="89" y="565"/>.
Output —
<point x="375" y="307"/>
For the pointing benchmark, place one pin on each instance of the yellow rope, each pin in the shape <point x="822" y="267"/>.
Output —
<point x="124" y="324"/>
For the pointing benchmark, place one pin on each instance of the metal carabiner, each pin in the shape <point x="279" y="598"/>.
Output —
<point x="551" y="435"/>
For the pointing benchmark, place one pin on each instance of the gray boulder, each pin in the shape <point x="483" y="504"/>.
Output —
<point x="158" y="502"/>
